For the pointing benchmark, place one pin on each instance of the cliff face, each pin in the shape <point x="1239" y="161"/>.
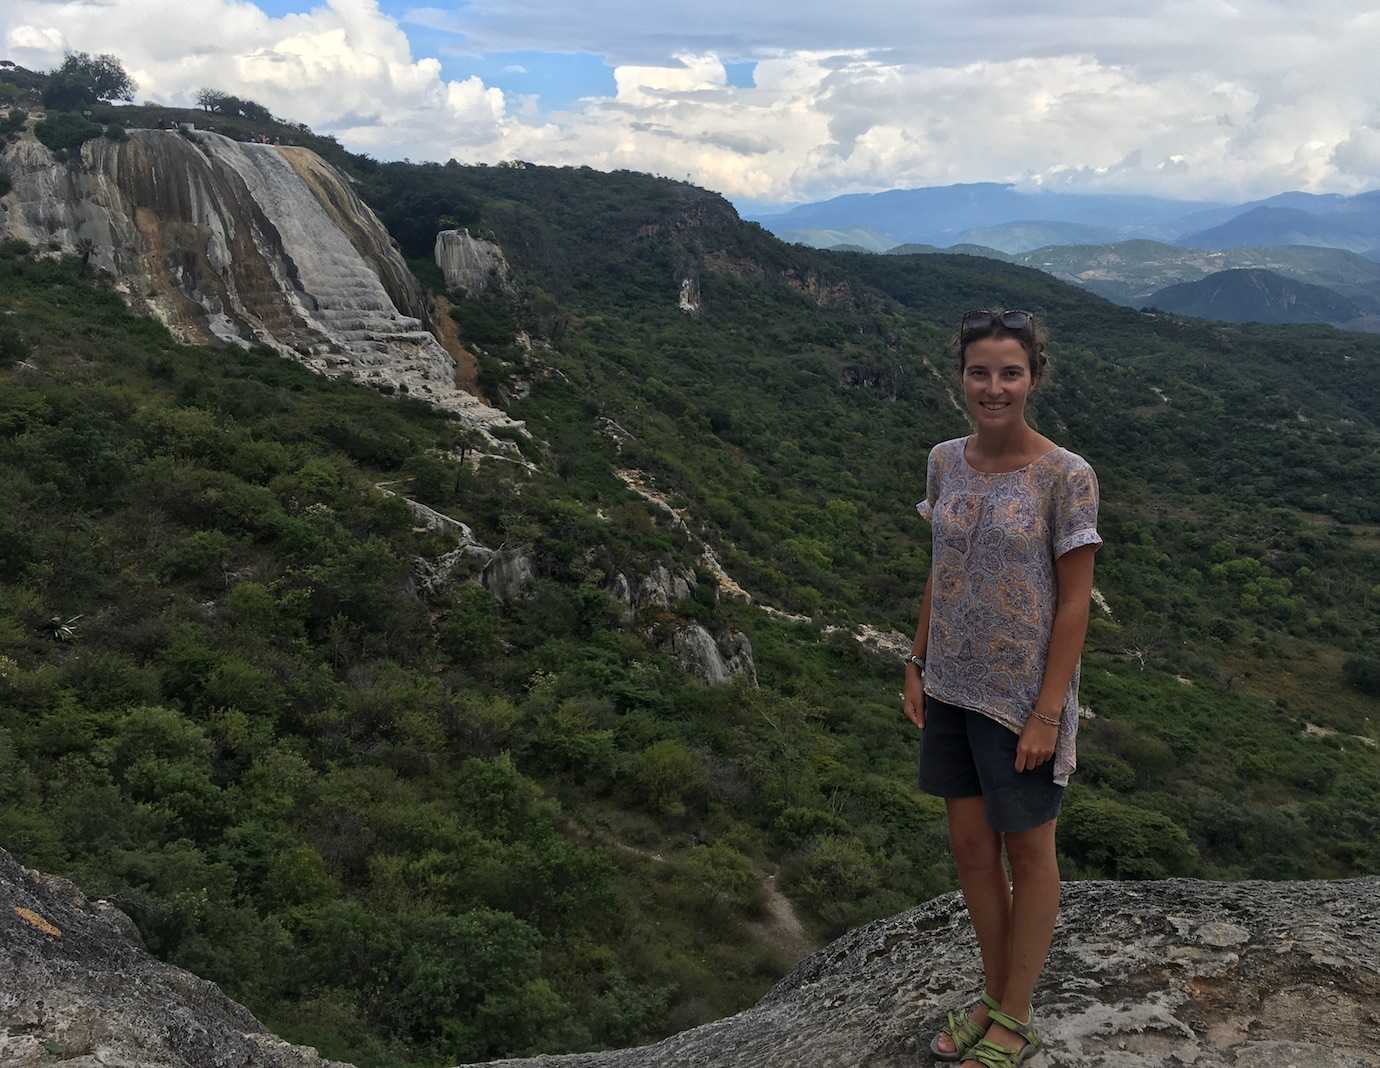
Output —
<point x="470" y="263"/>
<point x="1142" y="975"/>
<point x="243" y="243"/>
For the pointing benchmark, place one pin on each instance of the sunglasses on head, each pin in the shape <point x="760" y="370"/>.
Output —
<point x="984" y="321"/>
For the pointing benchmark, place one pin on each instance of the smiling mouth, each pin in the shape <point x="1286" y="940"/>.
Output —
<point x="995" y="406"/>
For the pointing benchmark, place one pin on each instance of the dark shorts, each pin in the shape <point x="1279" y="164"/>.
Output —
<point x="967" y="754"/>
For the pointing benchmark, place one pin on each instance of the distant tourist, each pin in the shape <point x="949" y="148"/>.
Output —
<point x="992" y="680"/>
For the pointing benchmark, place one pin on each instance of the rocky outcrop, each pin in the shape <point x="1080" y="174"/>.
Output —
<point x="245" y="244"/>
<point x="689" y="296"/>
<point x="471" y="263"/>
<point x="508" y="575"/>
<point x="78" y="990"/>
<point x="661" y="587"/>
<point x="716" y="663"/>
<point x="1141" y="975"/>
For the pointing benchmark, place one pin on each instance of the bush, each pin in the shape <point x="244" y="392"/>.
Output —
<point x="670" y="774"/>
<point x="1121" y="841"/>
<point x="65" y="132"/>
<point x="13" y="347"/>
<point x="1363" y="672"/>
<point x="13" y="122"/>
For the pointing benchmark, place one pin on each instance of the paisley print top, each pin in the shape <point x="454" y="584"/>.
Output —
<point x="996" y="537"/>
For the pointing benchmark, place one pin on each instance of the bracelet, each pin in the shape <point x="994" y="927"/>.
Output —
<point x="1044" y="719"/>
<point x="917" y="660"/>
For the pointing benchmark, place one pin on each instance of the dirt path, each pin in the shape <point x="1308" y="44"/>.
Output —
<point x="782" y="928"/>
<point x="779" y="928"/>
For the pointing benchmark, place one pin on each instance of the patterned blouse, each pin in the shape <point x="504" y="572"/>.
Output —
<point x="996" y="537"/>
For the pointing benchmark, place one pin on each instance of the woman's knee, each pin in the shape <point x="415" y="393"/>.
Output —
<point x="975" y="846"/>
<point x="1032" y="849"/>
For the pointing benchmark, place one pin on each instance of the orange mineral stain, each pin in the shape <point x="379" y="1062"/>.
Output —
<point x="33" y="919"/>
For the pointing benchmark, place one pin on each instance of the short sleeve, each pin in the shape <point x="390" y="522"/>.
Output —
<point x="932" y="479"/>
<point x="1075" y="509"/>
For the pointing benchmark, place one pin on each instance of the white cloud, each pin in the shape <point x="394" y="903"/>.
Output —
<point x="1195" y="99"/>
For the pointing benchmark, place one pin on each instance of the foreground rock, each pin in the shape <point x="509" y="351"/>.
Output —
<point x="78" y="990"/>
<point x="1170" y="973"/>
<point x="1142" y="975"/>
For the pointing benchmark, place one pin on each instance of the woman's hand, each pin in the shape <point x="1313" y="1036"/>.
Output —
<point x="1036" y="744"/>
<point x="913" y="699"/>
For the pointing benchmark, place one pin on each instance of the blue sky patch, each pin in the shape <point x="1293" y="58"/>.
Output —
<point x="560" y="78"/>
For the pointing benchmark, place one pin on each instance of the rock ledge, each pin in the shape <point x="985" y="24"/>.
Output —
<point x="1172" y="973"/>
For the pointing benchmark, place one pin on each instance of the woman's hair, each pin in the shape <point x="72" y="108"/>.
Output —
<point x="1032" y="340"/>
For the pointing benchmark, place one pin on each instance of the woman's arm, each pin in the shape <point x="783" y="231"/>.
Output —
<point x="922" y="632"/>
<point x="913" y="697"/>
<point x="1074" y="574"/>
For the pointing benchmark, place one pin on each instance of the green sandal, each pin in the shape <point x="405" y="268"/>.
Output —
<point x="990" y="1055"/>
<point x="964" y="1031"/>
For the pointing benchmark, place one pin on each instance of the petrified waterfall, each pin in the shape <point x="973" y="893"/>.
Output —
<point x="245" y="243"/>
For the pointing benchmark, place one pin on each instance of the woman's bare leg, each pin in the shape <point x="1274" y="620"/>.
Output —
<point x="1034" y="909"/>
<point x="977" y="854"/>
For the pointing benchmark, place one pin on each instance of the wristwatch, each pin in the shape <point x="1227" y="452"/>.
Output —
<point x="917" y="660"/>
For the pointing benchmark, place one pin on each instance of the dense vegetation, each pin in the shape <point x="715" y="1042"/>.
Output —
<point x="415" y="829"/>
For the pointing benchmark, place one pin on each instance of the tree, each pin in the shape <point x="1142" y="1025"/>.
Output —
<point x="211" y="99"/>
<point x="85" y="79"/>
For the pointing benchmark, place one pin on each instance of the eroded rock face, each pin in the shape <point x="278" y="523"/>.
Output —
<point x="78" y="990"/>
<point x="697" y="653"/>
<point x="1141" y="975"/>
<point x="471" y="263"/>
<point x="244" y="243"/>
<point x="508" y="574"/>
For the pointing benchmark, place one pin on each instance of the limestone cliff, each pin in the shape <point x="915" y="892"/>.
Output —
<point x="244" y="243"/>
<point x="471" y="263"/>
<point x="1142" y="975"/>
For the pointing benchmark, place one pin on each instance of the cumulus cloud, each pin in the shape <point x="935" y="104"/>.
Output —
<point x="344" y="68"/>
<point x="1207" y="98"/>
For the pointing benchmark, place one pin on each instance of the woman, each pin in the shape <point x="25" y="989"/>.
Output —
<point x="992" y="680"/>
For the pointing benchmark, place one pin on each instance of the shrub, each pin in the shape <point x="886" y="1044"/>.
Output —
<point x="1363" y="672"/>
<point x="65" y="132"/>
<point x="13" y="347"/>
<point x="13" y="122"/>
<point x="1122" y="841"/>
<point x="670" y="774"/>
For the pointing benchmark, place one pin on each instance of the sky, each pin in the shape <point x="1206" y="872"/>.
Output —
<point x="777" y="102"/>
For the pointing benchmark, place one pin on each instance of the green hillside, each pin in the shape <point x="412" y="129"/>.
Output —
<point x="1255" y="296"/>
<point x="423" y="829"/>
<point x="1131" y="272"/>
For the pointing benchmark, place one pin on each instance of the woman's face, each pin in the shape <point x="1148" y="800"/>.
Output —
<point x="996" y="381"/>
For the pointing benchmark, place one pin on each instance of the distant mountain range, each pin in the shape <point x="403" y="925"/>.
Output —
<point x="1252" y="295"/>
<point x="1002" y="217"/>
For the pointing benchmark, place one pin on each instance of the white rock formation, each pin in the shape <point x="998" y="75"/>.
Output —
<point x="470" y="263"/>
<point x="689" y="295"/>
<point x="697" y="653"/>
<point x="243" y="243"/>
